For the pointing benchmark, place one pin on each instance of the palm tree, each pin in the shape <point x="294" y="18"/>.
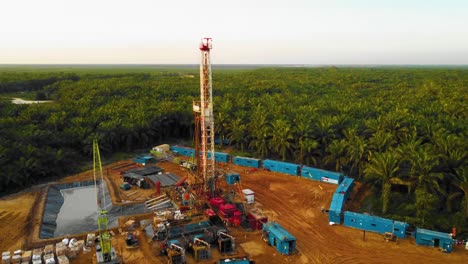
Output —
<point x="238" y="133"/>
<point x="259" y="131"/>
<point x="336" y="154"/>
<point x="383" y="168"/>
<point x="460" y="180"/>
<point x="281" y="137"/>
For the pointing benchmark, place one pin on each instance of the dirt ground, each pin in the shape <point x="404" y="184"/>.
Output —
<point x="292" y="201"/>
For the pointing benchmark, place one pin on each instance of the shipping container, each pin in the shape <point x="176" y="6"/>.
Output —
<point x="220" y="157"/>
<point x="184" y="151"/>
<point x="277" y="236"/>
<point x="434" y="239"/>
<point x="232" y="177"/>
<point x="246" y="162"/>
<point x="283" y="167"/>
<point x="321" y="175"/>
<point x="144" y="160"/>
<point x="375" y="224"/>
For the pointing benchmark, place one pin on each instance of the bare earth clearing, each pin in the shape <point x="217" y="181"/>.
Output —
<point x="294" y="202"/>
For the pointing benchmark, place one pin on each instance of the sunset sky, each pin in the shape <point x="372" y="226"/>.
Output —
<point x="243" y="32"/>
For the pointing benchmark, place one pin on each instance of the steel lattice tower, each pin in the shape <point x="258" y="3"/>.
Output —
<point x="203" y="110"/>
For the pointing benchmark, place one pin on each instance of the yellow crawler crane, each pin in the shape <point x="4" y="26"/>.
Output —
<point x="105" y="253"/>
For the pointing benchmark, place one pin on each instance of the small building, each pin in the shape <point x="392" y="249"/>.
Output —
<point x="375" y="224"/>
<point x="249" y="196"/>
<point x="246" y="162"/>
<point x="283" y="167"/>
<point x="162" y="148"/>
<point x="277" y="236"/>
<point x="431" y="238"/>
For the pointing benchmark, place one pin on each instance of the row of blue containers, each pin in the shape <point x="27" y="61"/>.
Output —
<point x="190" y="152"/>
<point x="340" y="196"/>
<point x="321" y="175"/>
<point x="246" y="162"/>
<point x="184" y="151"/>
<point x="375" y="224"/>
<point x="283" y="167"/>
<point x="272" y="165"/>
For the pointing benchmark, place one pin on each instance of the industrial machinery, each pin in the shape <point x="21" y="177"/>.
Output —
<point x="201" y="248"/>
<point x="105" y="253"/>
<point x="389" y="237"/>
<point x="204" y="123"/>
<point x="226" y="243"/>
<point x="175" y="253"/>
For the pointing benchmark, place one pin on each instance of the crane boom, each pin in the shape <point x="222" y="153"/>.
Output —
<point x="103" y="223"/>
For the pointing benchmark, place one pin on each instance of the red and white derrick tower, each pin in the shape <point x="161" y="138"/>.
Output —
<point x="204" y="122"/>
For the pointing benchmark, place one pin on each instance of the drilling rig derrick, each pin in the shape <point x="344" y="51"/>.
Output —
<point x="204" y="123"/>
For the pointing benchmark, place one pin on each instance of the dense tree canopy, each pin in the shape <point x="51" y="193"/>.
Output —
<point x="403" y="131"/>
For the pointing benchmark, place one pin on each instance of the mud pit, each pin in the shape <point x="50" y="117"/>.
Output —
<point x="73" y="210"/>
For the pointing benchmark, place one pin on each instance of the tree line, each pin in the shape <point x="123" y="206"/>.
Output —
<point x="401" y="131"/>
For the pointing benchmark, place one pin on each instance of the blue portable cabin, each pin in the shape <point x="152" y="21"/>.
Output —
<point x="235" y="260"/>
<point x="283" y="167"/>
<point x="246" y="162"/>
<point x="434" y="239"/>
<point x="232" y="177"/>
<point x="184" y="151"/>
<point x="278" y="237"/>
<point x="321" y="175"/>
<point x="375" y="224"/>
<point x="143" y="160"/>
<point x="345" y="187"/>
<point x="220" y="157"/>
<point x="336" y="208"/>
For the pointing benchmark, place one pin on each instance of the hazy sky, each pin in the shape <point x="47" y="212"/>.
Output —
<point x="246" y="32"/>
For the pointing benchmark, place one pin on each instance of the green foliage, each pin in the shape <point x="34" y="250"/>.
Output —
<point x="402" y="130"/>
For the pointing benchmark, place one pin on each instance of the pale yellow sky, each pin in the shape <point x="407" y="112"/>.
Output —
<point x="294" y="31"/>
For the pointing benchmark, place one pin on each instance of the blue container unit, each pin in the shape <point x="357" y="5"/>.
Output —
<point x="375" y="224"/>
<point x="184" y="151"/>
<point x="220" y="156"/>
<point x="236" y="260"/>
<point x="283" y="167"/>
<point x="434" y="239"/>
<point x="232" y="177"/>
<point x="321" y="175"/>
<point x="345" y="187"/>
<point x="246" y="162"/>
<point x="277" y="236"/>
<point x="144" y="160"/>
<point x="340" y="196"/>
